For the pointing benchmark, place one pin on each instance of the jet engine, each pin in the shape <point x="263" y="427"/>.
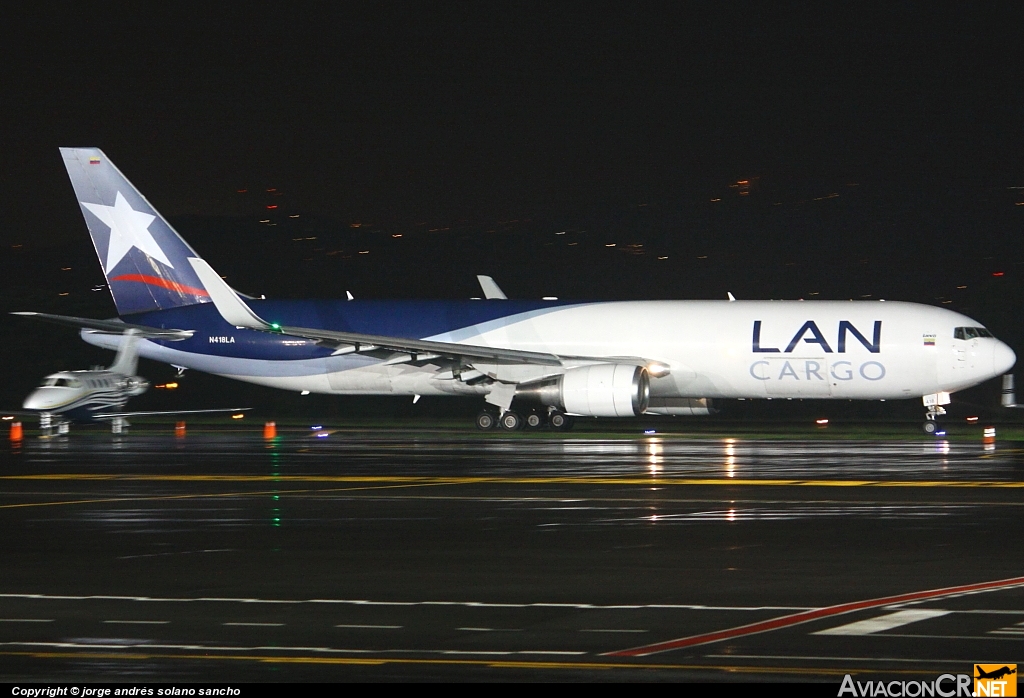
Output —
<point x="604" y="390"/>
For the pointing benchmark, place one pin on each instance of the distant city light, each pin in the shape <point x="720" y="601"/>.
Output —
<point x="972" y="419"/>
<point x="237" y="416"/>
<point x="821" y="422"/>
<point x="271" y="206"/>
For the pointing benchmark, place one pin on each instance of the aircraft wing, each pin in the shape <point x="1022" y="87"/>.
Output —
<point x="112" y="326"/>
<point x="237" y="313"/>
<point x="115" y="415"/>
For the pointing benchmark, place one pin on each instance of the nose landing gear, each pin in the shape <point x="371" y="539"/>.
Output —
<point x="934" y="403"/>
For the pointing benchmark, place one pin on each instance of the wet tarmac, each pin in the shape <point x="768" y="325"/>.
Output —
<point x="389" y="555"/>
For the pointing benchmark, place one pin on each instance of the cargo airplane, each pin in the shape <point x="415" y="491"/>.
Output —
<point x="532" y="362"/>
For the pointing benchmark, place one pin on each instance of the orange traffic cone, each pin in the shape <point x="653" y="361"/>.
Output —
<point x="179" y="429"/>
<point x="270" y="430"/>
<point x="16" y="432"/>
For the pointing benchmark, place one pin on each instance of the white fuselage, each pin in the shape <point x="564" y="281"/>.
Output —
<point x="714" y="349"/>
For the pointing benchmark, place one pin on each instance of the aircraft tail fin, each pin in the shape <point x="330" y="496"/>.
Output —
<point x="127" y="360"/>
<point x="143" y="257"/>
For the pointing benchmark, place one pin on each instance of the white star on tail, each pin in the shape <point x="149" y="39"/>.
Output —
<point x="128" y="228"/>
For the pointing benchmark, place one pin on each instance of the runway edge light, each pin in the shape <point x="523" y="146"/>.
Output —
<point x="16" y="431"/>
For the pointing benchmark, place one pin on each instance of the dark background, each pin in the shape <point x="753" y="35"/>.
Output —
<point x="871" y="151"/>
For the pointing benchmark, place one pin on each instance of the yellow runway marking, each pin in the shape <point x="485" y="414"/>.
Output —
<point x="539" y="480"/>
<point x="491" y="663"/>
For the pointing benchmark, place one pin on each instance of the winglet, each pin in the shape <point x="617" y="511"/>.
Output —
<point x="227" y="302"/>
<point x="490" y="288"/>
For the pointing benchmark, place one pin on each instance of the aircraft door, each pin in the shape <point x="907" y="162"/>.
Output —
<point x="965" y="347"/>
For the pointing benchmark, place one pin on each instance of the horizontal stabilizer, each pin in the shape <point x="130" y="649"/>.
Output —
<point x="111" y="326"/>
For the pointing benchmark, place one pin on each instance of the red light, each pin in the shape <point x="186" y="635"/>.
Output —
<point x="997" y="273"/>
<point x="271" y="206"/>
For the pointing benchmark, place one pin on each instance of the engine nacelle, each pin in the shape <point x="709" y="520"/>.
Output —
<point x="604" y="390"/>
<point x="133" y="385"/>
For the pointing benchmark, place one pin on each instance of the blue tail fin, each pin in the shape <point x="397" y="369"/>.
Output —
<point x="143" y="258"/>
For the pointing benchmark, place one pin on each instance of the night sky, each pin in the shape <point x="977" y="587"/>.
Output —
<point x="777" y="153"/>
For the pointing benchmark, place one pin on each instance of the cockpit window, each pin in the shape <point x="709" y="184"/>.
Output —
<point x="970" y="333"/>
<point x="49" y="381"/>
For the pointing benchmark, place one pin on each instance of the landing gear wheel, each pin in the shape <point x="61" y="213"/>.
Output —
<point x="560" y="421"/>
<point x="534" y="421"/>
<point x="930" y="427"/>
<point x="486" y="420"/>
<point x="510" y="421"/>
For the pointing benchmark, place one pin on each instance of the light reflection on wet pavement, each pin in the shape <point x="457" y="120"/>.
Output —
<point x="376" y="554"/>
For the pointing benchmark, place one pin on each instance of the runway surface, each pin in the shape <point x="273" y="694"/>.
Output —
<point x="388" y="555"/>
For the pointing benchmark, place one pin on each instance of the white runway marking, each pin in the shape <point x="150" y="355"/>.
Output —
<point x="376" y="627"/>
<point x="1005" y="637"/>
<point x="263" y="648"/>
<point x="886" y="622"/>
<point x="26" y="620"/>
<point x="493" y="630"/>
<point x="257" y="625"/>
<point x="613" y="630"/>
<point x="367" y="602"/>
<point x="139" y="622"/>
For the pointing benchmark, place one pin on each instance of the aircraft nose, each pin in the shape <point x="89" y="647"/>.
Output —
<point x="35" y="401"/>
<point x="1003" y="358"/>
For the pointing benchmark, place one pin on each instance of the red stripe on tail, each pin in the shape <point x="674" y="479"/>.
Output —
<point x="162" y="283"/>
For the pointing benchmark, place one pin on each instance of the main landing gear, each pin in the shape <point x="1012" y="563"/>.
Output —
<point x="513" y="421"/>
